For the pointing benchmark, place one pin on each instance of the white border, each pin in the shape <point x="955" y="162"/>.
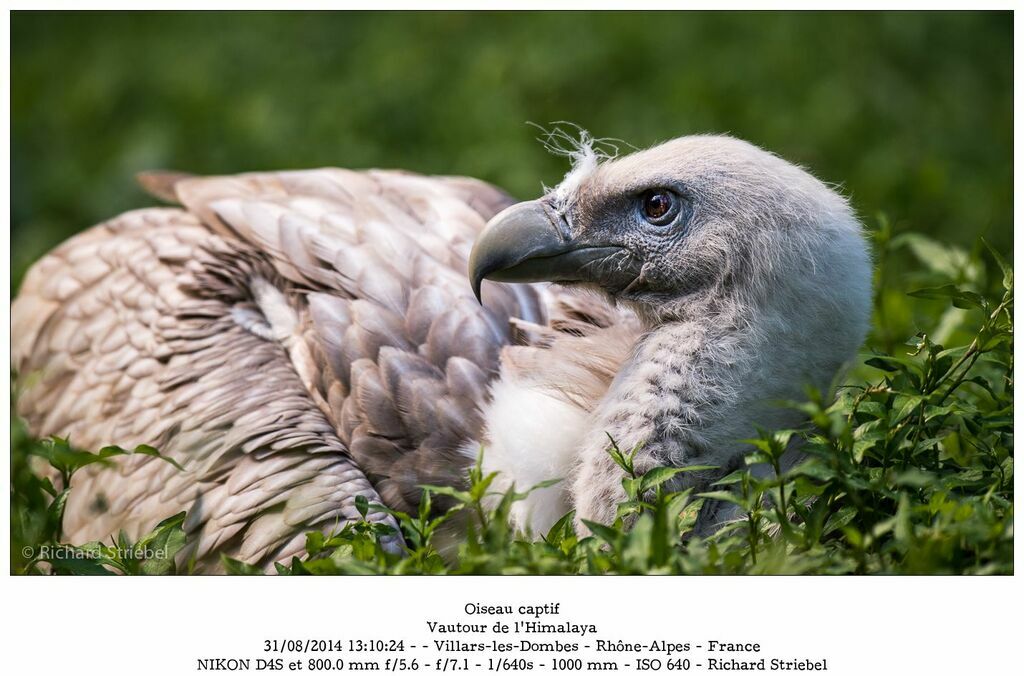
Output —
<point x="863" y="625"/>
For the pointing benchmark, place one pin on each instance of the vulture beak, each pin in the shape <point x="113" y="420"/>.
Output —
<point x="524" y="243"/>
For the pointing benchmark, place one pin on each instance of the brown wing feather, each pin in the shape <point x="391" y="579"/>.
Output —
<point x="390" y="323"/>
<point x="161" y="184"/>
<point x="124" y="335"/>
<point x="148" y="329"/>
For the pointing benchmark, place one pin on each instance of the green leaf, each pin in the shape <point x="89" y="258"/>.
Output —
<point x="733" y="478"/>
<point x="236" y="567"/>
<point x="539" y="485"/>
<point x="606" y="533"/>
<point x="459" y="496"/>
<point x="915" y="478"/>
<point x="478" y="490"/>
<point x="623" y="460"/>
<point x="724" y="496"/>
<point x="945" y="259"/>
<point x="315" y="542"/>
<point x="964" y="300"/>
<point x="839" y="519"/>
<point x="77" y="561"/>
<point x="1005" y="267"/>
<point x="154" y="552"/>
<point x="152" y="452"/>
<point x="624" y="509"/>
<point x="660" y="475"/>
<point x="161" y="550"/>
<point x="48" y="486"/>
<point x="904" y="404"/>
<point x="893" y="363"/>
<point x="55" y="516"/>
<point x="562" y="529"/>
<point x="362" y="505"/>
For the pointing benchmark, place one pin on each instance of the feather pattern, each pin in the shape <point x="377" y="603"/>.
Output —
<point x="294" y="340"/>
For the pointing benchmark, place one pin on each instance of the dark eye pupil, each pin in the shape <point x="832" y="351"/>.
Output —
<point x="657" y="203"/>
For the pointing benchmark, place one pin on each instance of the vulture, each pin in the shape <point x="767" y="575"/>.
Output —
<point x="298" y="339"/>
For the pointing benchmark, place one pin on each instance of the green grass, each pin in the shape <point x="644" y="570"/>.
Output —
<point x="909" y="470"/>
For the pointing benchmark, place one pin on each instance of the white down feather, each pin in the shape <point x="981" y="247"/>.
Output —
<point x="533" y="437"/>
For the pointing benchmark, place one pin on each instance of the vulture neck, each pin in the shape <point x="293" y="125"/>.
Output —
<point x="678" y="377"/>
<point x="700" y="381"/>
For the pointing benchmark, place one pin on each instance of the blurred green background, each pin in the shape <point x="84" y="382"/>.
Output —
<point x="911" y="113"/>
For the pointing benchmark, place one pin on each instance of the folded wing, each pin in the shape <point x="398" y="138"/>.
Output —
<point x="294" y="340"/>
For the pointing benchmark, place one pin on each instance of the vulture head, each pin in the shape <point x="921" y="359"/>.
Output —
<point x="681" y="229"/>
<point x="749" y="280"/>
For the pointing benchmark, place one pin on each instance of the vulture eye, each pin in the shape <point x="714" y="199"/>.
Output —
<point x="659" y="206"/>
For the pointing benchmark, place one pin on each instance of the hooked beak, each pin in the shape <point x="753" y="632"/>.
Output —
<point x="524" y="243"/>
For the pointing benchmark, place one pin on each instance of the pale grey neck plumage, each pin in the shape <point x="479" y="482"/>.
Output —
<point x="692" y="390"/>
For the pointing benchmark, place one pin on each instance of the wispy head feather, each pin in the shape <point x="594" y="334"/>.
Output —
<point x="585" y="153"/>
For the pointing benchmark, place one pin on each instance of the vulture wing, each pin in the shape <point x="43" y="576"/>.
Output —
<point x="293" y="340"/>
